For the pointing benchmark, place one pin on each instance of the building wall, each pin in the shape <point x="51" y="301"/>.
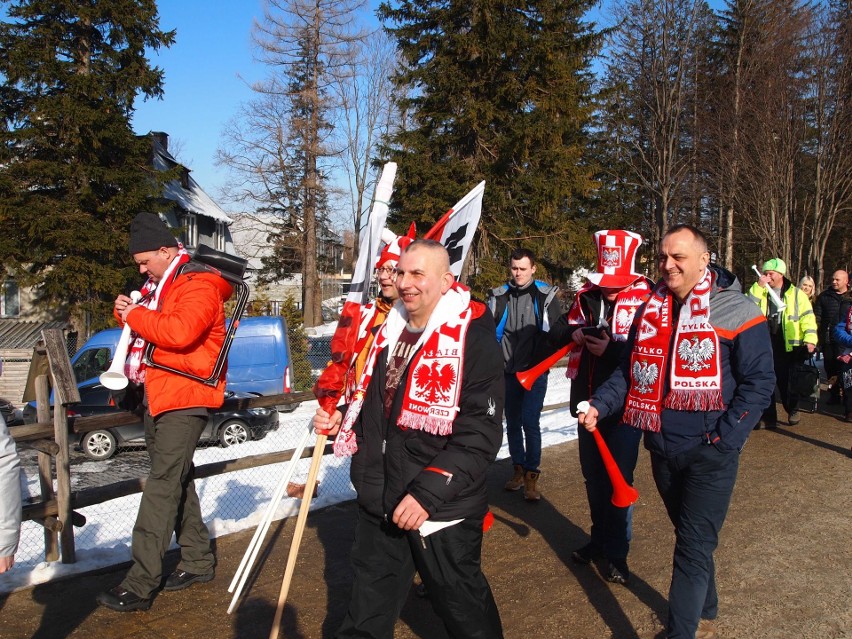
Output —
<point x="16" y="366"/>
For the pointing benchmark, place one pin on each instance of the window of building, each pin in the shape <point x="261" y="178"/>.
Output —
<point x="10" y="301"/>
<point x="189" y="235"/>
<point x="219" y="237"/>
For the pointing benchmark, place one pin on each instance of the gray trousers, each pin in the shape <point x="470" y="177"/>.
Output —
<point x="169" y="504"/>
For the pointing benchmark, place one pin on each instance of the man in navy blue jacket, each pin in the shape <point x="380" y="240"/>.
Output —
<point x="696" y="375"/>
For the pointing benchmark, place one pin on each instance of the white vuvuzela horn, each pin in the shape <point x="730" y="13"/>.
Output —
<point x="777" y="300"/>
<point x="114" y="378"/>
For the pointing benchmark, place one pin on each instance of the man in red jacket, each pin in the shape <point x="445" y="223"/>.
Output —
<point x="183" y="316"/>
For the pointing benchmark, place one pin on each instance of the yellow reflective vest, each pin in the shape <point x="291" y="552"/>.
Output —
<point x="798" y="322"/>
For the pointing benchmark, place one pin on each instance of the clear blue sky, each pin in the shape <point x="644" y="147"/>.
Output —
<point x="206" y="71"/>
<point x="206" y="76"/>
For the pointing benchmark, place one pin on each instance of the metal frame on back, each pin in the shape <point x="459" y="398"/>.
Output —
<point x="232" y="269"/>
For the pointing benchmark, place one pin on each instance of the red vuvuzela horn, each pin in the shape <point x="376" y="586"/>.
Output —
<point x="623" y="494"/>
<point x="527" y="378"/>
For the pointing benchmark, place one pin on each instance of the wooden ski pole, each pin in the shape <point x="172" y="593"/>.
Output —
<point x="250" y="556"/>
<point x="319" y="447"/>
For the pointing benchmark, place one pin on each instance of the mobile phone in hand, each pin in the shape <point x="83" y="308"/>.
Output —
<point x="592" y="331"/>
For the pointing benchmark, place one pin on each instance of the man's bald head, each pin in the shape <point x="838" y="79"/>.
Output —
<point x="840" y="281"/>
<point x="423" y="276"/>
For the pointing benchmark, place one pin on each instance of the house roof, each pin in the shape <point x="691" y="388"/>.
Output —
<point x="193" y="199"/>
<point x="24" y="334"/>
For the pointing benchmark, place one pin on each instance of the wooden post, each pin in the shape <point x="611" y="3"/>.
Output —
<point x="65" y="393"/>
<point x="45" y="466"/>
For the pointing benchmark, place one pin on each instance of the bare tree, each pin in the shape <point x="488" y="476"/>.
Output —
<point x="830" y="92"/>
<point x="772" y="128"/>
<point x="651" y="57"/>
<point x="365" y="95"/>
<point x="280" y="148"/>
<point x="733" y="72"/>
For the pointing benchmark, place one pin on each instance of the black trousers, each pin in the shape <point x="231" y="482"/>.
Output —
<point x="783" y="362"/>
<point x="611" y="526"/>
<point x="696" y="487"/>
<point x="169" y="505"/>
<point x="385" y="558"/>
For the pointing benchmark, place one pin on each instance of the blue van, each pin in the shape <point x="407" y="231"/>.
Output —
<point x="258" y="362"/>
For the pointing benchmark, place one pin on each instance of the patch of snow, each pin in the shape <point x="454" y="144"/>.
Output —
<point x="232" y="502"/>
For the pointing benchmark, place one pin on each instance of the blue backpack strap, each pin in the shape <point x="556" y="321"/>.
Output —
<point x="501" y="325"/>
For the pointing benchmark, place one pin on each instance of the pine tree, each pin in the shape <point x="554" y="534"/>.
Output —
<point x="72" y="172"/>
<point x="498" y="91"/>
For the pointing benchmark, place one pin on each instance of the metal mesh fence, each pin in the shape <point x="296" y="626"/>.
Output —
<point x="229" y="502"/>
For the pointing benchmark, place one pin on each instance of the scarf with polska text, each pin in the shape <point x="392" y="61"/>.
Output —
<point x="152" y="293"/>
<point x="628" y="300"/>
<point x="433" y="383"/>
<point x="695" y="381"/>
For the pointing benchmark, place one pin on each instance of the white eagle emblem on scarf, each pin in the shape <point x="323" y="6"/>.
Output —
<point x="645" y="376"/>
<point x="433" y="384"/>
<point x="696" y="353"/>
<point x="624" y="319"/>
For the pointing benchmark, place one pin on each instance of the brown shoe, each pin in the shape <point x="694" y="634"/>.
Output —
<point x="517" y="479"/>
<point x="706" y="629"/>
<point x="531" y="493"/>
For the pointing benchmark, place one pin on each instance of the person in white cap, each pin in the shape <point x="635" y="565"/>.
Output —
<point x="597" y="325"/>
<point x="374" y="313"/>
<point x="793" y="333"/>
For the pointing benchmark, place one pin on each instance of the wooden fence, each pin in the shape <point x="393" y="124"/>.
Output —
<point x="56" y="508"/>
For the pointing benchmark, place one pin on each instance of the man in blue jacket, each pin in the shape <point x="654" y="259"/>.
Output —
<point x="696" y="375"/>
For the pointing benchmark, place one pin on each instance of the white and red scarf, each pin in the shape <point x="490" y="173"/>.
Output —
<point x="695" y="379"/>
<point x="628" y="300"/>
<point x="152" y="293"/>
<point x="433" y="387"/>
<point x="371" y="315"/>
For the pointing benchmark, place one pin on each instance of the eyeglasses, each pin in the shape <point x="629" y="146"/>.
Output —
<point x="387" y="271"/>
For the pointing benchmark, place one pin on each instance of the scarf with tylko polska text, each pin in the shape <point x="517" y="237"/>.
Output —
<point x="626" y="303"/>
<point x="433" y="387"/>
<point x="152" y="293"/>
<point x="695" y="382"/>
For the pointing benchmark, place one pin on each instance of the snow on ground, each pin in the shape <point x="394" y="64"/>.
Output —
<point x="231" y="502"/>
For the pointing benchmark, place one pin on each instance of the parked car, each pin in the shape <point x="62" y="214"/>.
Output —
<point x="258" y="362"/>
<point x="227" y="427"/>
<point x="319" y="354"/>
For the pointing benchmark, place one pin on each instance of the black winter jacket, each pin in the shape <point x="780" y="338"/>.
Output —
<point x="831" y="308"/>
<point x="446" y="475"/>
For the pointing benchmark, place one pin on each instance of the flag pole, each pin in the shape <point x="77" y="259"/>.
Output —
<point x="297" y="534"/>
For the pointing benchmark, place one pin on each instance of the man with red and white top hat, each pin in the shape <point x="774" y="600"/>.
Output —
<point x="597" y="325"/>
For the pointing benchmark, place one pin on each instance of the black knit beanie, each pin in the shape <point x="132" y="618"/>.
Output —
<point x="148" y="233"/>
